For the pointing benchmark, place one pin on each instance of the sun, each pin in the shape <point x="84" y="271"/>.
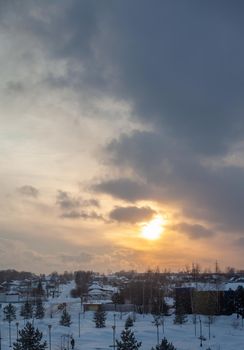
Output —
<point x="153" y="229"/>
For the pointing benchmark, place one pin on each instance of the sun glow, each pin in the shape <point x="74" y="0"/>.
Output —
<point x="153" y="229"/>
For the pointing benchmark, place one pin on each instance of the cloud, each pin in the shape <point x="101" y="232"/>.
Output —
<point x="131" y="214"/>
<point x="123" y="188"/>
<point x="180" y="73"/>
<point x="15" y="87"/>
<point x="205" y="191"/>
<point x="66" y="201"/>
<point x="180" y="67"/>
<point x="82" y="215"/>
<point x="28" y="191"/>
<point x="193" y="231"/>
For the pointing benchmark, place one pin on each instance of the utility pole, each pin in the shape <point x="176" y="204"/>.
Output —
<point x="200" y="332"/>
<point x="79" y="323"/>
<point x="163" y="322"/>
<point x="9" y="333"/>
<point x="195" y="323"/>
<point x="157" y="324"/>
<point x="209" y="322"/>
<point x="114" y="328"/>
<point x="50" y="339"/>
<point x="17" y="331"/>
<point x="143" y="297"/>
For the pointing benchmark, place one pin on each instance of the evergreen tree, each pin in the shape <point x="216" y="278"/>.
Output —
<point x="239" y="299"/>
<point x="29" y="339"/>
<point x="99" y="318"/>
<point x="38" y="291"/>
<point x="117" y="298"/>
<point x="39" y="311"/>
<point x="9" y="313"/>
<point x="165" y="345"/>
<point x="180" y="316"/>
<point x="128" y="341"/>
<point x="129" y="322"/>
<point x="65" y="319"/>
<point x="26" y="310"/>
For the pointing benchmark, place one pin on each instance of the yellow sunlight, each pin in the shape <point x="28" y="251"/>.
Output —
<point x="153" y="229"/>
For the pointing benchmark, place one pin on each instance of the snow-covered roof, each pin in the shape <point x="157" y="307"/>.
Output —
<point x="213" y="286"/>
<point x="233" y="285"/>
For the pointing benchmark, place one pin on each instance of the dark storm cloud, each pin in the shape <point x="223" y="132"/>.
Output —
<point x="193" y="231"/>
<point x="28" y="191"/>
<point x="131" y="214"/>
<point x="215" y="194"/>
<point x="179" y="64"/>
<point x="123" y="188"/>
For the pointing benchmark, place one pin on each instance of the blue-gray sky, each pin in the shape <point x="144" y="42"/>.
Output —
<point x="113" y="112"/>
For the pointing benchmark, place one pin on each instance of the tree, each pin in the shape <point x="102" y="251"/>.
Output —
<point x="128" y="341"/>
<point x="65" y="319"/>
<point x="99" y="318"/>
<point x="129" y="322"/>
<point x="9" y="313"/>
<point x="29" y="339"/>
<point x="239" y="300"/>
<point x="180" y="316"/>
<point x="165" y="345"/>
<point x="39" y="311"/>
<point x="38" y="291"/>
<point x="26" y="310"/>
<point x="117" y="298"/>
<point x="82" y="280"/>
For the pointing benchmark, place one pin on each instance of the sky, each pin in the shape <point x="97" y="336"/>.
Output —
<point x="115" y="114"/>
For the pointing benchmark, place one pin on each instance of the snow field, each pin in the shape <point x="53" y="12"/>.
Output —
<point x="227" y="332"/>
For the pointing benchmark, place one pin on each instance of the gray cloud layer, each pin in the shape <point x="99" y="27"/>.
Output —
<point x="213" y="193"/>
<point x="177" y="65"/>
<point x="123" y="188"/>
<point x="193" y="231"/>
<point x="180" y="65"/>
<point x="72" y="207"/>
<point x="132" y="214"/>
<point x="73" y="214"/>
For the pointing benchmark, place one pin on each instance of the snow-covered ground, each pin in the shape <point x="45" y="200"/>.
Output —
<point x="226" y="332"/>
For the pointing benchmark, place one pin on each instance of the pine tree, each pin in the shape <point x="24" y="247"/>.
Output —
<point x="180" y="319"/>
<point x="39" y="311"/>
<point x="99" y="318"/>
<point x="129" y="322"/>
<point x="29" y="339"/>
<point x="180" y="316"/>
<point x="9" y="313"/>
<point x="165" y="345"/>
<point x="65" y="319"/>
<point x="128" y="341"/>
<point x="26" y="310"/>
